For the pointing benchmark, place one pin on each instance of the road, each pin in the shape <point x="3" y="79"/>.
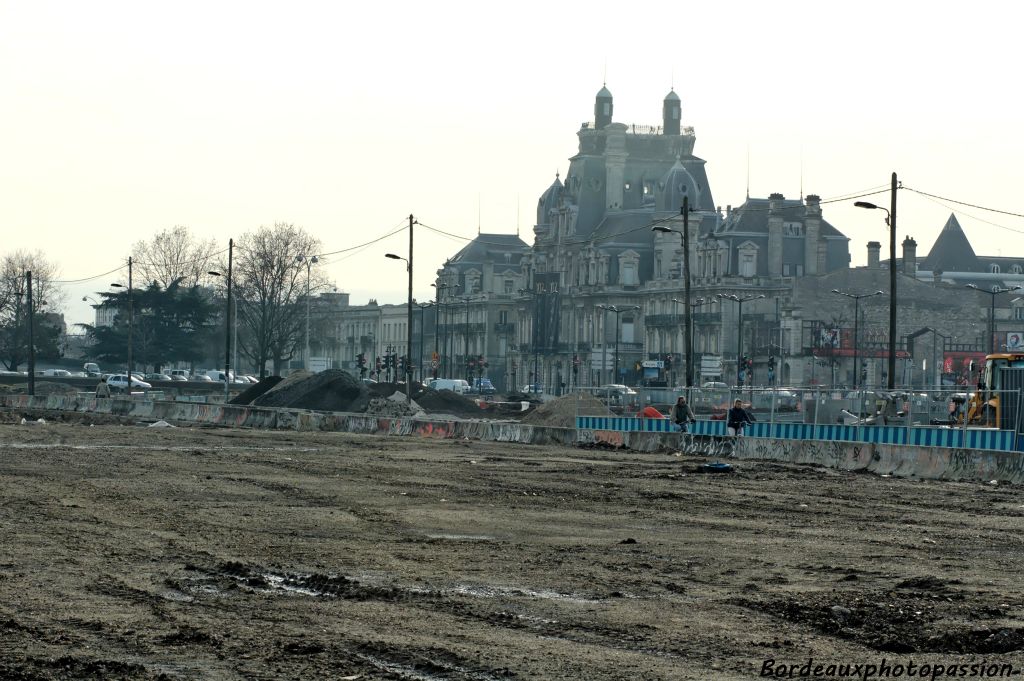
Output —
<point x="174" y="553"/>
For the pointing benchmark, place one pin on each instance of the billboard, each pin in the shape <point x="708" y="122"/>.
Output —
<point x="1015" y="341"/>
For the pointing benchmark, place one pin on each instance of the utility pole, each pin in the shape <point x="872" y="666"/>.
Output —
<point x="31" y="337"/>
<point x="131" y="323"/>
<point x="408" y="352"/>
<point x="227" y="327"/>
<point x="686" y="293"/>
<point x="892" y="285"/>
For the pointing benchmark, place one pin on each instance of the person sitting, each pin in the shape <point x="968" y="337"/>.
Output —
<point x="737" y="419"/>
<point x="682" y="414"/>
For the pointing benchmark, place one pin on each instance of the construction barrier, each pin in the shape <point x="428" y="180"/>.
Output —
<point x="932" y="462"/>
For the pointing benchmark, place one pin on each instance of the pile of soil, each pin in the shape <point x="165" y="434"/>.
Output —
<point x="331" y="390"/>
<point x="47" y="388"/>
<point x="252" y="392"/>
<point x="396" y="405"/>
<point x="562" y="412"/>
<point x="448" y="402"/>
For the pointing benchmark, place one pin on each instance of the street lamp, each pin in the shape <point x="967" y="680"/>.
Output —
<point x="535" y="333"/>
<point x="310" y="261"/>
<point x="739" y="325"/>
<point x="443" y="308"/>
<point x="227" y="322"/>
<point x="131" y="317"/>
<point x="890" y="220"/>
<point x="996" y="290"/>
<point x="408" y="347"/>
<point x="617" y="311"/>
<point x="423" y="316"/>
<point x="693" y="305"/>
<point x="684" y="236"/>
<point x="856" y="319"/>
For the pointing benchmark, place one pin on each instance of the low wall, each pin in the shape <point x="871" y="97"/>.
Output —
<point x="886" y="459"/>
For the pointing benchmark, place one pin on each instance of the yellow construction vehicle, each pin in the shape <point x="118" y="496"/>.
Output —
<point x="996" y="403"/>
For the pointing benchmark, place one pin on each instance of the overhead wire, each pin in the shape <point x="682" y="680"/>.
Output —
<point x="928" y="197"/>
<point x="964" y="203"/>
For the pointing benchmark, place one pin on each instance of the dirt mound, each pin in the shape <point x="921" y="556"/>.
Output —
<point x="252" y="392"/>
<point x="447" y="402"/>
<point x="331" y="390"/>
<point x="562" y="412"/>
<point x="48" y="388"/>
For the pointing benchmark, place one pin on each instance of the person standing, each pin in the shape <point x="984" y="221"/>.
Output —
<point x="682" y="414"/>
<point x="737" y="418"/>
<point x="102" y="389"/>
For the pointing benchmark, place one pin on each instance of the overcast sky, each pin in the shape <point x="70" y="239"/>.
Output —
<point x="120" y="119"/>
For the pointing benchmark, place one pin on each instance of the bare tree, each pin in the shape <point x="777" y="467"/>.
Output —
<point x="174" y="255"/>
<point x="48" y="299"/>
<point x="271" y="287"/>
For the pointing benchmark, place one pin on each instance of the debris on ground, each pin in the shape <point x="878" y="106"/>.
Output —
<point x="448" y="402"/>
<point x="562" y="412"/>
<point x="46" y="388"/>
<point x="160" y="424"/>
<point x="28" y="422"/>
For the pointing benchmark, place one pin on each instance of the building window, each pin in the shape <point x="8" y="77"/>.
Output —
<point x="503" y="317"/>
<point x="508" y="286"/>
<point x="993" y="269"/>
<point x="787" y="270"/>
<point x="799" y="270"/>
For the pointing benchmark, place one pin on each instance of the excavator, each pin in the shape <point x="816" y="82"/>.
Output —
<point x="997" y="401"/>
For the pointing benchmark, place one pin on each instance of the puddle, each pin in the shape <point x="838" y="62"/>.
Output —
<point x="462" y="537"/>
<point x="506" y="591"/>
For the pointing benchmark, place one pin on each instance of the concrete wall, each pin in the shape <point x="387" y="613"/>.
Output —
<point x="886" y="459"/>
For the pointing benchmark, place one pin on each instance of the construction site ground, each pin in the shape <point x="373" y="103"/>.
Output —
<point x="176" y="553"/>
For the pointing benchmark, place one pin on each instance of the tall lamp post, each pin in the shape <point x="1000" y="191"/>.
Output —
<point x="227" y="321"/>
<point x="408" y="351"/>
<point x="996" y="290"/>
<point x="444" y="309"/>
<point x="856" y="325"/>
<point x="423" y="317"/>
<point x="131" y="321"/>
<point x="310" y="261"/>
<point x="739" y="300"/>
<point x="890" y="220"/>
<point x="535" y="335"/>
<point x="694" y="304"/>
<point x="617" y="311"/>
<point x="684" y="236"/>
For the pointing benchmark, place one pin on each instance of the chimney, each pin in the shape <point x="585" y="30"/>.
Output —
<point x="874" y="249"/>
<point x="775" y="235"/>
<point x="910" y="257"/>
<point x="814" y="261"/>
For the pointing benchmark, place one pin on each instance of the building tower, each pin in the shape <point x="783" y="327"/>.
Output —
<point x="603" y="108"/>
<point x="671" y="113"/>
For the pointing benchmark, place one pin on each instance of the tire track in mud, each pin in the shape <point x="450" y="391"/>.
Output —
<point x="637" y="638"/>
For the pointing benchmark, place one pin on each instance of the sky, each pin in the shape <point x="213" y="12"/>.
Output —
<point x="122" y="119"/>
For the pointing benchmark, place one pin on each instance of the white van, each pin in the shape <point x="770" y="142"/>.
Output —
<point x="216" y="375"/>
<point x="456" y="385"/>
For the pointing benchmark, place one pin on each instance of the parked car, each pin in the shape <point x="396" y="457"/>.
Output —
<point x="157" y="377"/>
<point x="54" y="373"/>
<point x="203" y="378"/>
<point x="119" y="382"/>
<point x="533" y="389"/>
<point x="91" y="369"/>
<point x="179" y="375"/>
<point x="483" y="386"/>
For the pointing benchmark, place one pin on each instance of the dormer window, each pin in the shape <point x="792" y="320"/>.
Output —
<point x="993" y="269"/>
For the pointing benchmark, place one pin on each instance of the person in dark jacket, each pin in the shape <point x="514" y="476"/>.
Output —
<point x="681" y="413"/>
<point x="737" y="418"/>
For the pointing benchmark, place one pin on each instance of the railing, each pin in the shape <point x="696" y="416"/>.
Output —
<point x="500" y="327"/>
<point x="926" y="418"/>
<point x="663" y="320"/>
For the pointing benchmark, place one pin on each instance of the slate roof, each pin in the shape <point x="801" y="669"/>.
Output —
<point x="491" y="248"/>
<point x="752" y="217"/>
<point x="952" y="252"/>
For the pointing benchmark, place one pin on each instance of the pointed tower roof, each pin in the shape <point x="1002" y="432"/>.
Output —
<point x="952" y="252"/>
<point x="672" y="96"/>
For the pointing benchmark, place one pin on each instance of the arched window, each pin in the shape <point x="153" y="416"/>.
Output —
<point x="993" y="269"/>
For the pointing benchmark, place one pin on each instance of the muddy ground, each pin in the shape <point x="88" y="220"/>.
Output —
<point x="146" y="553"/>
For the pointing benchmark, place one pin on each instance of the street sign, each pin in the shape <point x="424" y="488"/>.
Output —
<point x="653" y="364"/>
<point x="434" y="363"/>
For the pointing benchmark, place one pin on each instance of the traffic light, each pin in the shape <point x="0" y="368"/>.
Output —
<point x="668" y="362"/>
<point x="401" y="365"/>
<point x="361" y="360"/>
